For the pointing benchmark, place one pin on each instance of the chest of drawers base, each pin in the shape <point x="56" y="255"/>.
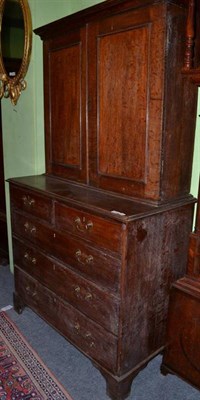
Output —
<point x="93" y="274"/>
<point x="117" y="387"/>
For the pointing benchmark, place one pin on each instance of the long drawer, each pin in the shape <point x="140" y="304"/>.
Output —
<point x="31" y="202"/>
<point x="82" y="294"/>
<point x="104" y="233"/>
<point x="95" y="265"/>
<point x="88" y="336"/>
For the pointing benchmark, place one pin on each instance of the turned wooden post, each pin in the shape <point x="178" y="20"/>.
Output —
<point x="189" y="50"/>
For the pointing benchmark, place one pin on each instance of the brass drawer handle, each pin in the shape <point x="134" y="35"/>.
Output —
<point x="88" y="296"/>
<point x="87" y="335"/>
<point x="83" y="258"/>
<point x="29" y="228"/>
<point x="27" y="257"/>
<point x="30" y="292"/>
<point x="28" y="201"/>
<point x="77" y="326"/>
<point x="83" y="225"/>
<point x="78" y="293"/>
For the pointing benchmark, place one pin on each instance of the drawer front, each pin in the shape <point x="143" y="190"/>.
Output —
<point x="99" y="267"/>
<point x="88" y="336"/>
<point x="104" y="233"/>
<point x="96" y="265"/>
<point x="88" y="298"/>
<point x="30" y="229"/>
<point x="31" y="202"/>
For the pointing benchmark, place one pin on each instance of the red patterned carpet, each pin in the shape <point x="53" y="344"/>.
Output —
<point x="23" y="376"/>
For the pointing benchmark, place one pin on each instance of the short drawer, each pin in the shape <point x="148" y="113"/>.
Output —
<point x="29" y="228"/>
<point x="88" y="336"/>
<point x="103" y="232"/>
<point x="31" y="202"/>
<point x="94" y="264"/>
<point x="82" y="294"/>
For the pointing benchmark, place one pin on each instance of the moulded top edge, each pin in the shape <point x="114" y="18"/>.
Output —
<point x="95" y="12"/>
<point x="95" y="200"/>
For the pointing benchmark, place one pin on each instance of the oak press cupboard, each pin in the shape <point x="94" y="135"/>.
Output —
<point x="99" y="238"/>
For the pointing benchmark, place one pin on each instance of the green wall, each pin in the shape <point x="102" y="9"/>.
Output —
<point x="23" y="125"/>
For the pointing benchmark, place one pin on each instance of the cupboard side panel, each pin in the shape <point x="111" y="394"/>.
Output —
<point x="157" y="256"/>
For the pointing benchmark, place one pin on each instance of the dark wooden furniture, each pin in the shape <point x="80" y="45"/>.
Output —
<point x="182" y="355"/>
<point x="192" y="61"/>
<point x="99" y="238"/>
<point x="3" y="222"/>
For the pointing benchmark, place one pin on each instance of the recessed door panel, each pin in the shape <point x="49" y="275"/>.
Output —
<point x="122" y="84"/>
<point x="65" y="115"/>
<point x="66" y="142"/>
<point x="126" y="73"/>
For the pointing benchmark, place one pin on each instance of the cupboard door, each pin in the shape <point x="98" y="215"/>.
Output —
<point x="126" y="63"/>
<point x="65" y="105"/>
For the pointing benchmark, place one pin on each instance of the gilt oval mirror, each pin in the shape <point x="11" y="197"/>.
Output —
<point x="15" y="47"/>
